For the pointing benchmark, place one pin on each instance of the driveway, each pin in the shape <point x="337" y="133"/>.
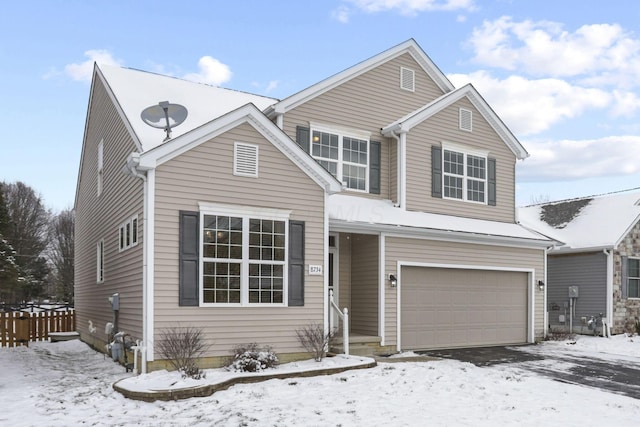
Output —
<point x="611" y="375"/>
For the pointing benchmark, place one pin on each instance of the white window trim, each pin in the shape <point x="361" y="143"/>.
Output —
<point x="458" y="148"/>
<point x="100" y="261"/>
<point x="343" y="132"/>
<point x="246" y="213"/>
<point x="122" y="229"/>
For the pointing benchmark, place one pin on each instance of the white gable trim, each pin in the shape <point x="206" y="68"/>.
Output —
<point x="246" y="114"/>
<point x="410" y="47"/>
<point x="410" y="120"/>
<point x="626" y="232"/>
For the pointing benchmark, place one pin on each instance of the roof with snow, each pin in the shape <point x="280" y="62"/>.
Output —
<point x="357" y="212"/>
<point x="587" y="223"/>
<point x="135" y="90"/>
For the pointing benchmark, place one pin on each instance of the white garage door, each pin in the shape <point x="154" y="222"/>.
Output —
<point x="446" y="308"/>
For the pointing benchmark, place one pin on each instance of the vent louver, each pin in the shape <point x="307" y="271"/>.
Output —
<point x="407" y="79"/>
<point x="466" y="120"/>
<point x="245" y="162"/>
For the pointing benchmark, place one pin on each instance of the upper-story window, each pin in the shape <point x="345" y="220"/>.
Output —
<point x="100" y="167"/>
<point x="464" y="174"/>
<point x="100" y="261"/>
<point x="344" y="153"/>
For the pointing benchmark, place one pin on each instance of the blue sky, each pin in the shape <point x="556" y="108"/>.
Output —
<point x="563" y="75"/>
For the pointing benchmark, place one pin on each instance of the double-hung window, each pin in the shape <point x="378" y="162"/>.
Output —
<point x="243" y="256"/>
<point x="633" y="277"/>
<point x="464" y="174"/>
<point x="344" y="153"/>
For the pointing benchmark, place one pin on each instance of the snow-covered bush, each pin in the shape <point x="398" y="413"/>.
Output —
<point x="182" y="347"/>
<point x="251" y="358"/>
<point x="313" y="338"/>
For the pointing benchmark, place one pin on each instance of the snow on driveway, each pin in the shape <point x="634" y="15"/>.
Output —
<point x="67" y="383"/>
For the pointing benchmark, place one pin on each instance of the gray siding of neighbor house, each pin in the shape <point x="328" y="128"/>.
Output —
<point x="589" y="273"/>
<point x="205" y="174"/>
<point x="368" y="102"/>
<point x="444" y="127"/>
<point x="451" y="253"/>
<point x="99" y="217"/>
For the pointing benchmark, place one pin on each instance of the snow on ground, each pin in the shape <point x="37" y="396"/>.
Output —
<point x="67" y="383"/>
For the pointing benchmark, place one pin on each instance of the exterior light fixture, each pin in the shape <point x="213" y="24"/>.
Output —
<point x="541" y="285"/>
<point x="393" y="280"/>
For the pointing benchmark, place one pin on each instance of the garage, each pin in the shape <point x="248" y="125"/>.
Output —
<point x="447" y="307"/>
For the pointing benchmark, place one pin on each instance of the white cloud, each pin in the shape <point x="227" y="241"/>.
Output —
<point x="341" y="14"/>
<point x="411" y="7"/>
<point x="577" y="159"/>
<point x="83" y="71"/>
<point x="211" y="71"/>
<point x="273" y="85"/>
<point x="533" y="106"/>
<point x="599" y="51"/>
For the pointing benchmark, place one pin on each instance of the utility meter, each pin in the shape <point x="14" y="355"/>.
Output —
<point x="573" y="292"/>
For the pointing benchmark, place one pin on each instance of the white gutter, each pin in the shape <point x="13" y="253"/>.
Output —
<point x="609" y="314"/>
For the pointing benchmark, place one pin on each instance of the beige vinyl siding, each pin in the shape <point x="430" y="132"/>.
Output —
<point x="444" y="127"/>
<point x="364" y="284"/>
<point x="99" y="217"/>
<point x="205" y="174"/>
<point x="452" y="253"/>
<point x="368" y="102"/>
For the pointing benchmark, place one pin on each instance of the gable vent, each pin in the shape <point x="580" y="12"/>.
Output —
<point x="407" y="79"/>
<point x="466" y="120"/>
<point x="245" y="159"/>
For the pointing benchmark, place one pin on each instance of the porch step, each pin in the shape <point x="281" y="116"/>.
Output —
<point x="358" y="345"/>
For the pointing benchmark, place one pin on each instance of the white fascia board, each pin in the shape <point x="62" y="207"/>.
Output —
<point x="436" y="234"/>
<point x="250" y="114"/>
<point x="560" y="250"/>
<point x="410" y="46"/>
<point x="406" y="123"/>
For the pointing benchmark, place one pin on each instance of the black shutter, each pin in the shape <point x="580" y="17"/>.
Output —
<point x="302" y="138"/>
<point x="189" y="243"/>
<point x="374" y="168"/>
<point x="625" y="277"/>
<point x="296" y="263"/>
<point x="491" y="175"/>
<point x="436" y="171"/>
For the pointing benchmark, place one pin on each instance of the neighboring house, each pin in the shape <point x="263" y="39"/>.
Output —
<point x="382" y="183"/>
<point x="600" y="259"/>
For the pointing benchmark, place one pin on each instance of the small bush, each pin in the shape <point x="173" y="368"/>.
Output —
<point x="314" y="340"/>
<point x="250" y="358"/>
<point x="637" y="327"/>
<point x="182" y="347"/>
<point x="559" y="335"/>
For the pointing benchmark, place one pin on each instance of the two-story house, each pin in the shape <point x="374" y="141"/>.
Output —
<point x="383" y="184"/>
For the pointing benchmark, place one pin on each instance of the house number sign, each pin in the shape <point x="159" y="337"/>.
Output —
<point x="315" y="270"/>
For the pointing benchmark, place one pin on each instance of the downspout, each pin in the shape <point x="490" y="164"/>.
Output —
<point x="401" y="138"/>
<point x="132" y="168"/>
<point x="280" y="120"/>
<point x="607" y="330"/>
<point x="544" y="301"/>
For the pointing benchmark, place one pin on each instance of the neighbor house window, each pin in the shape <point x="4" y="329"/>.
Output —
<point x="344" y="153"/>
<point x="633" y="276"/>
<point x="100" y="167"/>
<point x="128" y="233"/>
<point x="100" y="262"/>
<point x="464" y="174"/>
<point x="243" y="257"/>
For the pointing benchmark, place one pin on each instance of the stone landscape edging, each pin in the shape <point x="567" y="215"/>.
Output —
<point x="208" y="389"/>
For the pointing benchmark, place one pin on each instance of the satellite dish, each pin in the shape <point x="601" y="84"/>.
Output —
<point x="164" y="116"/>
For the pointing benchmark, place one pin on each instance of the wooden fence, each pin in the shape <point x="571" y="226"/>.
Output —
<point x="18" y="327"/>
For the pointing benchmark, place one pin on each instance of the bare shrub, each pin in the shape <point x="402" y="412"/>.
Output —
<point x="557" y="334"/>
<point x="251" y="358"/>
<point x="313" y="338"/>
<point x="182" y="347"/>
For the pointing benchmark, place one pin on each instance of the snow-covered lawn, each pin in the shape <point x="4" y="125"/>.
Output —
<point x="67" y="383"/>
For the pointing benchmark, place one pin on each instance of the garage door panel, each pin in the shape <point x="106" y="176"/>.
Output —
<point x="457" y="308"/>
